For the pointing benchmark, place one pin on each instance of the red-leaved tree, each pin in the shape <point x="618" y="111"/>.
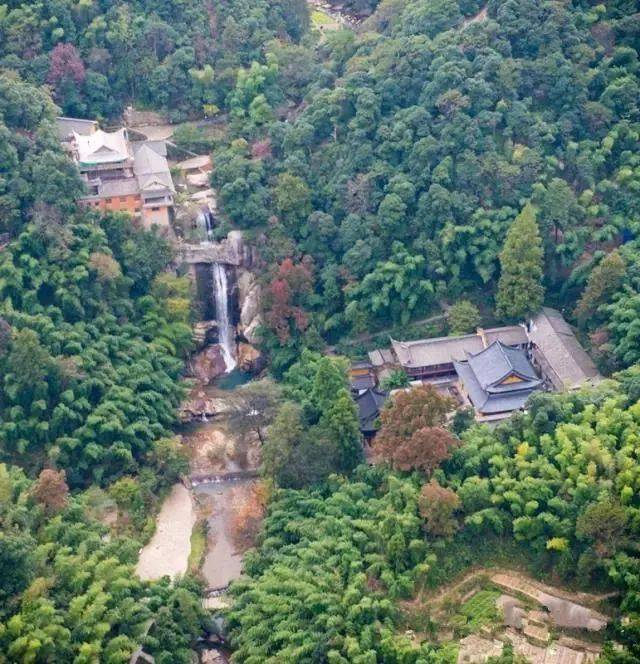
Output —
<point x="411" y="435"/>
<point x="438" y="506"/>
<point x="285" y="297"/>
<point x="65" y="64"/>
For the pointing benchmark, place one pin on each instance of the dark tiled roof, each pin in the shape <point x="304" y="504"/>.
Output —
<point x="483" y="373"/>
<point x="487" y="403"/>
<point x="369" y="404"/>
<point x="498" y="361"/>
<point x="361" y="364"/>
<point x="362" y="382"/>
<point x="432" y="352"/>
<point x="445" y="350"/>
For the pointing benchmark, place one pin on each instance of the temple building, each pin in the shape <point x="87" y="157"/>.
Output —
<point x="434" y="358"/>
<point x="496" y="369"/>
<point x="557" y="354"/>
<point x="120" y="175"/>
<point x="362" y="376"/>
<point x="497" y="380"/>
<point x="370" y="402"/>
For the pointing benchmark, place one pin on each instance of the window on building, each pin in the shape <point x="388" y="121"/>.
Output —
<point x="155" y="209"/>
<point x="123" y="199"/>
<point x="107" y="200"/>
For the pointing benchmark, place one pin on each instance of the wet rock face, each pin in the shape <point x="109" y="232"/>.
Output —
<point x="203" y="404"/>
<point x="249" y="295"/>
<point x="208" y="364"/>
<point x="250" y="359"/>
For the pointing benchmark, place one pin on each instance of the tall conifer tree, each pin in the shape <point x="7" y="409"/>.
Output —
<point x="520" y="289"/>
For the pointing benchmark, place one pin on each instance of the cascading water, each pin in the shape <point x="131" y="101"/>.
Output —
<point x="225" y="329"/>
<point x="205" y="221"/>
<point x="208" y="222"/>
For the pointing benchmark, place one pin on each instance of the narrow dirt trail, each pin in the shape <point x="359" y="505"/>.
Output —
<point x="367" y="336"/>
<point x="478" y="18"/>
<point x="442" y="593"/>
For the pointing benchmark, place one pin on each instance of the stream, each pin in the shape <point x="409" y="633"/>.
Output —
<point x="222" y="563"/>
<point x="222" y="471"/>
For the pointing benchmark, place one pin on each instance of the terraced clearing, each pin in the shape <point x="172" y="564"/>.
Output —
<point x="488" y="608"/>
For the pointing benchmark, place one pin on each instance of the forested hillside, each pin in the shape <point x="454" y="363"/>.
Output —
<point x="69" y="592"/>
<point x="405" y="157"/>
<point x="99" y="55"/>
<point x="444" y="152"/>
<point x="556" y="489"/>
<point x="92" y="341"/>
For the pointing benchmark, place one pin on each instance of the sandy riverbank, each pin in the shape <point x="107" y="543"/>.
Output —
<point x="168" y="551"/>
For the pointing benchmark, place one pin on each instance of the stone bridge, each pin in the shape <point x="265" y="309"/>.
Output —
<point x="233" y="476"/>
<point x="231" y="251"/>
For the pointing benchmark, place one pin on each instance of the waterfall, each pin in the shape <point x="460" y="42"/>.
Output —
<point x="205" y="221"/>
<point x="225" y="329"/>
<point x="208" y="222"/>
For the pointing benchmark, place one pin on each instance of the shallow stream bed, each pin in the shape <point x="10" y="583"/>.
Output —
<point x="222" y="563"/>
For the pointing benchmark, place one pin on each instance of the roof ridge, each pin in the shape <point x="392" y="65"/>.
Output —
<point x="507" y="359"/>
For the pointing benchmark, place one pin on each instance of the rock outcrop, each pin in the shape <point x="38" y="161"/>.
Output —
<point x="207" y="364"/>
<point x="201" y="405"/>
<point x="231" y="251"/>
<point x="244" y="305"/>
<point x="250" y="359"/>
<point x="249" y="294"/>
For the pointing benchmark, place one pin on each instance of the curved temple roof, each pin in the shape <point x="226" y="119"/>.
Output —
<point x="498" y="379"/>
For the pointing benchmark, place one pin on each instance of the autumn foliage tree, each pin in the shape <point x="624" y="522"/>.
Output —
<point x="412" y="436"/>
<point x="285" y="297"/>
<point x="65" y="64"/>
<point x="247" y="516"/>
<point x="51" y="490"/>
<point x="437" y="506"/>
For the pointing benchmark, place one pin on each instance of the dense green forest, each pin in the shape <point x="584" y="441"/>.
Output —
<point x="178" y="56"/>
<point x="93" y="334"/>
<point x="443" y="150"/>
<point x="556" y="488"/>
<point x="408" y="149"/>
<point x="69" y="592"/>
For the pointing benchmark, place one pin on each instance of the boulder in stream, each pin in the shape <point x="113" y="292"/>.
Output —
<point x="250" y="359"/>
<point x="208" y="364"/>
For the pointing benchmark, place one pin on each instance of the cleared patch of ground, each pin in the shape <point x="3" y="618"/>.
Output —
<point x="488" y="608"/>
<point x="156" y="132"/>
<point x="167" y="554"/>
<point x="480" y="17"/>
<point x="320" y="19"/>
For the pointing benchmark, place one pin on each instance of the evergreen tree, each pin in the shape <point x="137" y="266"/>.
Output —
<point x="463" y="317"/>
<point x="341" y="421"/>
<point x="604" y="280"/>
<point x="520" y="289"/>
